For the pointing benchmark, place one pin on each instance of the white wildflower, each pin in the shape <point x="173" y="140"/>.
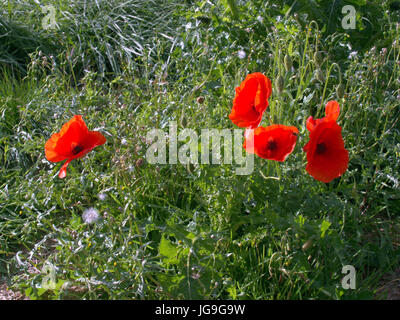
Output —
<point x="241" y="54"/>
<point x="352" y="54"/>
<point x="90" y="215"/>
<point x="196" y="275"/>
<point x="102" y="196"/>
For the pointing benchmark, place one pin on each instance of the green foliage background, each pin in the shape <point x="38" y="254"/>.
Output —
<point x="197" y="231"/>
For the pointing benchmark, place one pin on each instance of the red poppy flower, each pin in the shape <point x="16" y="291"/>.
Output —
<point x="274" y="142"/>
<point x="332" y="111"/>
<point x="251" y="100"/>
<point x="326" y="155"/>
<point x="72" y="142"/>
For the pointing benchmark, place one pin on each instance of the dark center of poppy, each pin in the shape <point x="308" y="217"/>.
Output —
<point x="271" y="145"/>
<point x="76" y="149"/>
<point x="321" y="148"/>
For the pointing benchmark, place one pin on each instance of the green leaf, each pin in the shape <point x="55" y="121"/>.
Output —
<point x="75" y="222"/>
<point x="170" y="282"/>
<point x="28" y="293"/>
<point x="232" y="292"/>
<point x="169" y="251"/>
<point x="231" y="4"/>
<point x="40" y="291"/>
<point x="324" y="227"/>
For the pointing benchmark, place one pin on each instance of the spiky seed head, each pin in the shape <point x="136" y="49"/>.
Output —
<point x="318" y="58"/>
<point x="288" y="62"/>
<point x="320" y="75"/>
<point x="280" y="82"/>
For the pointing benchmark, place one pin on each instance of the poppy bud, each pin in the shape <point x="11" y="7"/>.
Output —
<point x="340" y="91"/>
<point x="288" y="63"/>
<point x="307" y="245"/>
<point x="183" y="121"/>
<point x="318" y="58"/>
<point x="319" y="75"/>
<point x="200" y="99"/>
<point x="297" y="18"/>
<point x="280" y="82"/>
<point x="139" y="162"/>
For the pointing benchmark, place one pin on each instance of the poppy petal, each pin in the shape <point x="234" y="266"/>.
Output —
<point x="50" y="149"/>
<point x="327" y="157"/>
<point x="251" y="100"/>
<point x="332" y="111"/>
<point x="73" y="141"/>
<point x="274" y="142"/>
<point x="76" y="121"/>
<point x="74" y="135"/>
<point x="311" y="123"/>
<point x="58" y="147"/>
<point x="63" y="171"/>
<point x="327" y="169"/>
<point x="89" y="142"/>
<point x="248" y="144"/>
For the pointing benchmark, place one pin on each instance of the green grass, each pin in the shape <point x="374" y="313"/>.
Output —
<point x="192" y="231"/>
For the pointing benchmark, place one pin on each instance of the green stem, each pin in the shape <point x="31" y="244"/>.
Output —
<point x="327" y="80"/>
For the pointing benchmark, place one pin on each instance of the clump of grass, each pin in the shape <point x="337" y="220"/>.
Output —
<point x="97" y="35"/>
<point x="17" y="43"/>
<point x="198" y="231"/>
